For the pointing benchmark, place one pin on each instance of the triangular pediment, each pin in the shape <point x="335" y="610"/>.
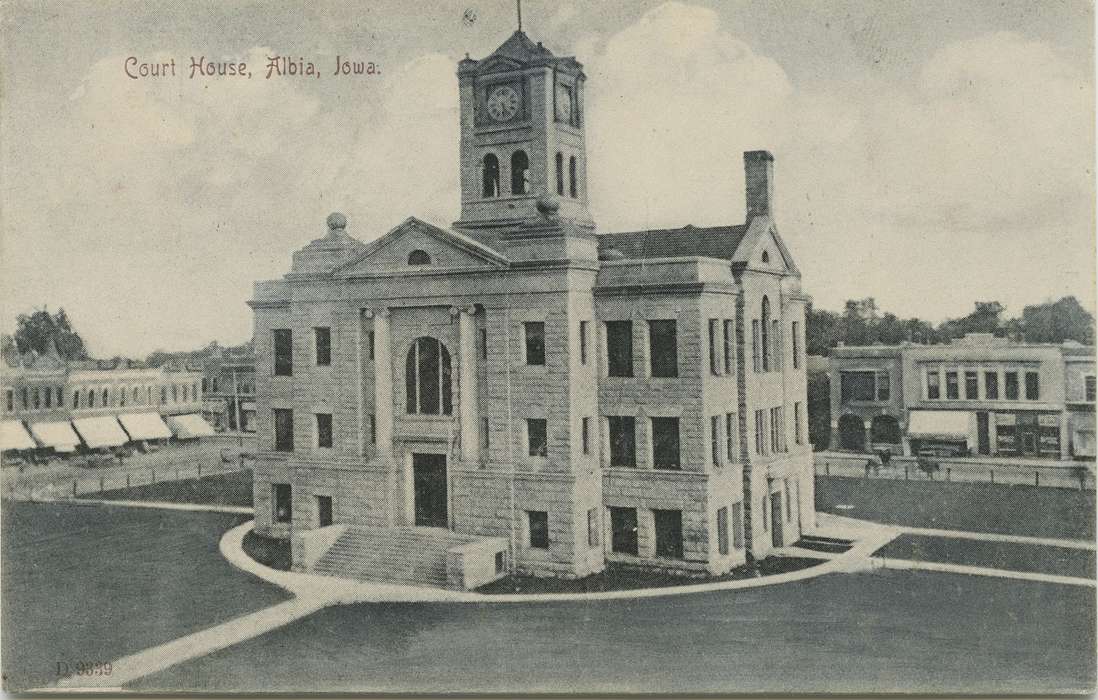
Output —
<point x="417" y="247"/>
<point x="762" y="248"/>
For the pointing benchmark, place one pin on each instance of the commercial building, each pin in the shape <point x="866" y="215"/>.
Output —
<point x="979" y="395"/>
<point x="55" y="406"/>
<point x="228" y="389"/>
<point x="569" y="398"/>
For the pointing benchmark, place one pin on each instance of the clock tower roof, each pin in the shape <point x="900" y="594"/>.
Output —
<point x="519" y="51"/>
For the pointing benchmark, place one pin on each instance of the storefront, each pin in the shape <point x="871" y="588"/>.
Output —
<point x="940" y="433"/>
<point x="1027" y="434"/>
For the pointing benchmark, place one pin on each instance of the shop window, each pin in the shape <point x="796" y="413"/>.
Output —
<point x="323" y="345"/>
<point x="538" y="522"/>
<point x="665" y="443"/>
<point x="535" y="342"/>
<point x="619" y="348"/>
<point x="623" y="441"/>
<point x="623" y="530"/>
<point x="668" y="533"/>
<point x="283" y="503"/>
<point x="537" y="437"/>
<point x="663" y="345"/>
<point x="283" y="352"/>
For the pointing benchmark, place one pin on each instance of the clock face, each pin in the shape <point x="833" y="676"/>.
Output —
<point x="503" y="103"/>
<point x="564" y="103"/>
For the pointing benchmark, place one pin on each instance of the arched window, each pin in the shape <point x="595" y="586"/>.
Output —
<point x="886" y="429"/>
<point x="520" y="173"/>
<point x="560" y="174"/>
<point x="419" y="257"/>
<point x="572" y="186"/>
<point x="427" y="378"/>
<point x="766" y="256"/>
<point x="490" y="176"/>
<point x="766" y="334"/>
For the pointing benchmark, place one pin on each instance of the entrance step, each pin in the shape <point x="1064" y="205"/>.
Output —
<point x="818" y="543"/>
<point x="397" y="555"/>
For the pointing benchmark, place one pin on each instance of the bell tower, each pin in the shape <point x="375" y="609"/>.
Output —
<point x="523" y="156"/>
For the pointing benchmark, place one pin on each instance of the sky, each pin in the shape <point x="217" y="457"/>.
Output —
<point x="928" y="154"/>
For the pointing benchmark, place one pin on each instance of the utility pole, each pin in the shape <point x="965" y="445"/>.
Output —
<point x="237" y="411"/>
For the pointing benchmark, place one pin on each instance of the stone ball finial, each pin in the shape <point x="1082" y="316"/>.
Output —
<point x="337" y="221"/>
<point x="548" y="205"/>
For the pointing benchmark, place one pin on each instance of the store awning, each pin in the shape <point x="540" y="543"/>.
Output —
<point x="189" y="425"/>
<point x="100" y="431"/>
<point x="13" y="436"/>
<point x="59" y="435"/>
<point x="942" y="425"/>
<point x="144" y="426"/>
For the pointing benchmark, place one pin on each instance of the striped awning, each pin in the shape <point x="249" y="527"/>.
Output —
<point x="13" y="436"/>
<point x="100" y="431"/>
<point x="58" y="434"/>
<point x="144" y="426"/>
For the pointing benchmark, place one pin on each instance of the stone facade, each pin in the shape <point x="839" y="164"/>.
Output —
<point x="468" y="383"/>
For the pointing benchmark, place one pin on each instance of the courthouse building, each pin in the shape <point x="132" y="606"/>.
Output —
<point x="573" y="397"/>
<point x="979" y="395"/>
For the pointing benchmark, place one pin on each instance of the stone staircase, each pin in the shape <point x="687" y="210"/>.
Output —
<point x="397" y="555"/>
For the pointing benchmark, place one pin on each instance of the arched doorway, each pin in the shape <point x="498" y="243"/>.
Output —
<point x="886" y="429"/>
<point x="851" y="433"/>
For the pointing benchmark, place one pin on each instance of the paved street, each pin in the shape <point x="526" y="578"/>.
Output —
<point x="869" y="632"/>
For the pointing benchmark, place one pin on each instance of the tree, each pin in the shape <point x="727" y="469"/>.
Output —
<point x="34" y="332"/>
<point x="985" y="318"/>
<point x="1055" y="322"/>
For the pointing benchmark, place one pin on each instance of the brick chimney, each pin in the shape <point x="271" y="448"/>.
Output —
<point x="758" y="167"/>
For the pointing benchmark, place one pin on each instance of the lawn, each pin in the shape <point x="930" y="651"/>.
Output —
<point x="231" y="489"/>
<point x="977" y="507"/>
<point x="1062" y="561"/>
<point x="88" y="583"/>
<point x="872" y="632"/>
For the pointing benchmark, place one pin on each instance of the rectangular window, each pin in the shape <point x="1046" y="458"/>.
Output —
<point x="665" y="443"/>
<point x="623" y="530"/>
<point x="668" y="533"/>
<point x="537" y="437"/>
<point x="953" y="390"/>
<point x="933" y="384"/>
<point x="283" y="352"/>
<point x="1088" y="382"/>
<point x="535" y="342"/>
<point x="715" y="440"/>
<point x="583" y="342"/>
<point x="501" y="562"/>
<point x="585" y="426"/>
<point x="284" y="429"/>
<point x="485" y="434"/>
<point x="593" y="527"/>
<point x="323" y="511"/>
<point x="663" y="346"/>
<point x="795" y="337"/>
<point x="1033" y="388"/>
<point x="776" y="339"/>
<point x="776" y="441"/>
<point x="972" y="386"/>
<point x="991" y="385"/>
<point x="1012" y="386"/>
<point x="323" y="338"/>
<point x="370" y="343"/>
<point x="324" y="430"/>
<point x="619" y="348"/>
<point x="722" y="530"/>
<point x="760" y="432"/>
<point x="730" y="430"/>
<point x="283" y="502"/>
<point x="623" y="441"/>
<point x="737" y="525"/>
<point x="857" y="386"/>
<point x="729" y="344"/>
<point x="756" y="357"/>
<point x="373" y="429"/>
<point x="797" y="422"/>
<point x="714" y="343"/>
<point x="538" y="521"/>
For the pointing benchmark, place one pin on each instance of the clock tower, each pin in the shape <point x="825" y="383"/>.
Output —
<point x="523" y="157"/>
